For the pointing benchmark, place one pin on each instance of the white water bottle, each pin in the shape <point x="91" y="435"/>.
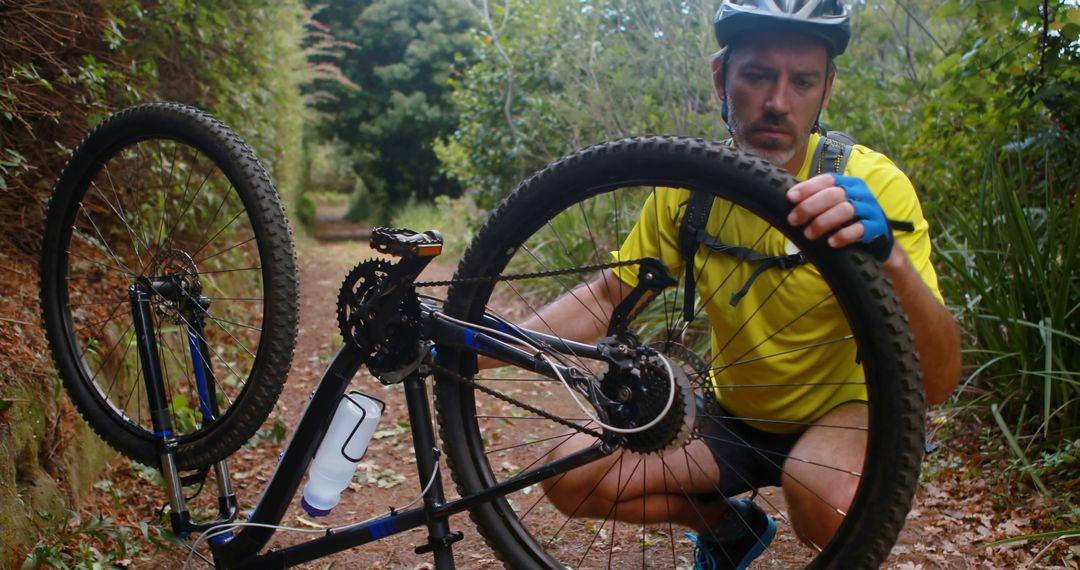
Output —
<point x="341" y="449"/>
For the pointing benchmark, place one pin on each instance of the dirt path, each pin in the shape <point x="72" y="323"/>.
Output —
<point x="956" y="510"/>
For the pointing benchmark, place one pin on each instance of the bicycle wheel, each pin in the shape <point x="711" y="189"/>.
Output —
<point x="166" y="192"/>
<point x="575" y="213"/>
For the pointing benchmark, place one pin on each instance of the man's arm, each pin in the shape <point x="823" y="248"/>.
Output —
<point x="937" y="337"/>
<point x="823" y="207"/>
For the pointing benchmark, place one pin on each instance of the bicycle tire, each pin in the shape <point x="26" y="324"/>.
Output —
<point x="525" y="223"/>
<point x="165" y="189"/>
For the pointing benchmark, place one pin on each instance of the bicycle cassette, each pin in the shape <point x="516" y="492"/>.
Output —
<point x="388" y="336"/>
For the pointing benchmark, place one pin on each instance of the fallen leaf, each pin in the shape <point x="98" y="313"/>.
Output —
<point x="309" y="523"/>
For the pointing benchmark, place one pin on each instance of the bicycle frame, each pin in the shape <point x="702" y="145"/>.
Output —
<point x="242" y="549"/>
<point x="493" y="337"/>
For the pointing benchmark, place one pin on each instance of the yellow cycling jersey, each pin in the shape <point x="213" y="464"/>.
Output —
<point x="784" y="353"/>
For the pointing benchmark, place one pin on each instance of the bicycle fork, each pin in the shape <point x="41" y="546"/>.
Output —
<point x="160" y="418"/>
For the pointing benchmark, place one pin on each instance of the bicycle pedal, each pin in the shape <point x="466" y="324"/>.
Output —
<point x="403" y="242"/>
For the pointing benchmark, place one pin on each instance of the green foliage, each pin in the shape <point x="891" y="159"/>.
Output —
<point x="273" y="434"/>
<point x="93" y="542"/>
<point x="304" y="213"/>
<point x="454" y="218"/>
<point x="367" y="207"/>
<point x="328" y="168"/>
<point x="401" y="54"/>
<point x="551" y="77"/>
<point x="239" y="60"/>
<point x="1011" y="258"/>
<point x="997" y="147"/>
<point x="884" y="77"/>
<point x="1018" y="87"/>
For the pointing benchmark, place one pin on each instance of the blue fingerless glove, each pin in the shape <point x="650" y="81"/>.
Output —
<point x="877" y="236"/>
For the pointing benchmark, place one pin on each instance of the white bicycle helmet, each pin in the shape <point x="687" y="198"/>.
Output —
<point x="826" y="19"/>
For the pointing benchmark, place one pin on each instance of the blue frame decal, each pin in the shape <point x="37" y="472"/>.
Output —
<point x="200" y="376"/>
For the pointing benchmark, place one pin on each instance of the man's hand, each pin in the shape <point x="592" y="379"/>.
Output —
<point x="828" y="203"/>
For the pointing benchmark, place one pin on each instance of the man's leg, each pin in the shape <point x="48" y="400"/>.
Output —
<point x="637" y="488"/>
<point x="821" y="474"/>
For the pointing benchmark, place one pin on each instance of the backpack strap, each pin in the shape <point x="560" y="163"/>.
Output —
<point x="831" y="155"/>
<point x="695" y="217"/>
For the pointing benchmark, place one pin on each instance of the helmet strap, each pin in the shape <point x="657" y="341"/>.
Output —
<point x="816" y="128"/>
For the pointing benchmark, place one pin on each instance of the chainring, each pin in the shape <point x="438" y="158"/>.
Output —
<point x="390" y="344"/>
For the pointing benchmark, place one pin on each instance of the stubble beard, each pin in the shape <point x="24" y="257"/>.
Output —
<point x="777" y="156"/>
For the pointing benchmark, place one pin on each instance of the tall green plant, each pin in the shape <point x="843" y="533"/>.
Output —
<point x="1012" y="259"/>
<point x="996" y="150"/>
<point x="239" y="59"/>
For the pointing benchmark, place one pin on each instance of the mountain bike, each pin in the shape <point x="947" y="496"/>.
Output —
<point x="169" y="295"/>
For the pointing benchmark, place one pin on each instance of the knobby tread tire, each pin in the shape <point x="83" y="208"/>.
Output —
<point x="878" y="323"/>
<point x="273" y="235"/>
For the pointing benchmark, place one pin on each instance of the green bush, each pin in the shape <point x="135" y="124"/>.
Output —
<point x="1011" y="260"/>
<point x="305" y="211"/>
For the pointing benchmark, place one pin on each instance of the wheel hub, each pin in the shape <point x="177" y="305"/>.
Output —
<point x="177" y="269"/>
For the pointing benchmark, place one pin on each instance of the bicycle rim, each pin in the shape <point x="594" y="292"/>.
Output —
<point x="576" y="213"/>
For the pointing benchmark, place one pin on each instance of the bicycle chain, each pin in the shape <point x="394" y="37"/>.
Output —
<point x="522" y="276"/>
<point x="513" y="401"/>
<point x="519" y="277"/>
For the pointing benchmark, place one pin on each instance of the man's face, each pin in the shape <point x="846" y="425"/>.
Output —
<point x="774" y="86"/>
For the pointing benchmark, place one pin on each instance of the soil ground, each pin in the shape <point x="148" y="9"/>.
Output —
<point x="958" y="509"/>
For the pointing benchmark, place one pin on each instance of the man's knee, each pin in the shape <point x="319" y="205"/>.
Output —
<point x="578" y="492"/>
<point x="822" y="473"/>
<point x="817" y="512"/>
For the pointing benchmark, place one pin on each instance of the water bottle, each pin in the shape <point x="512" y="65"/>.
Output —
<point x="335" y="462"/>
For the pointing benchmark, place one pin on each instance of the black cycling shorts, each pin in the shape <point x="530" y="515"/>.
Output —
<point x="748" y="458"/>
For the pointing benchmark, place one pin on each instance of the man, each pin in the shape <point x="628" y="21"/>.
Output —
<point x="774" y="75"/>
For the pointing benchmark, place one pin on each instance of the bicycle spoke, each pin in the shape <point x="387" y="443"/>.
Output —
<point x="784" y="353"/>
<point x="220" y="230"/>
<point x="187" y="205"/>
<point x="101" y="238"/>
<point x="741" y="443"/>
<point x="101" y="264"/>
<point x="119" y="214"/>
<point x="226" y="250"/>
<point x="105" y="359"/>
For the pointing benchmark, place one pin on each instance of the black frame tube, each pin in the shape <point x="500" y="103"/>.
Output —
<point x="294" y="462"/>
<point x="242" y="551"/>
<point x="427" y="463"/>
<point x="352" y="536"/>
